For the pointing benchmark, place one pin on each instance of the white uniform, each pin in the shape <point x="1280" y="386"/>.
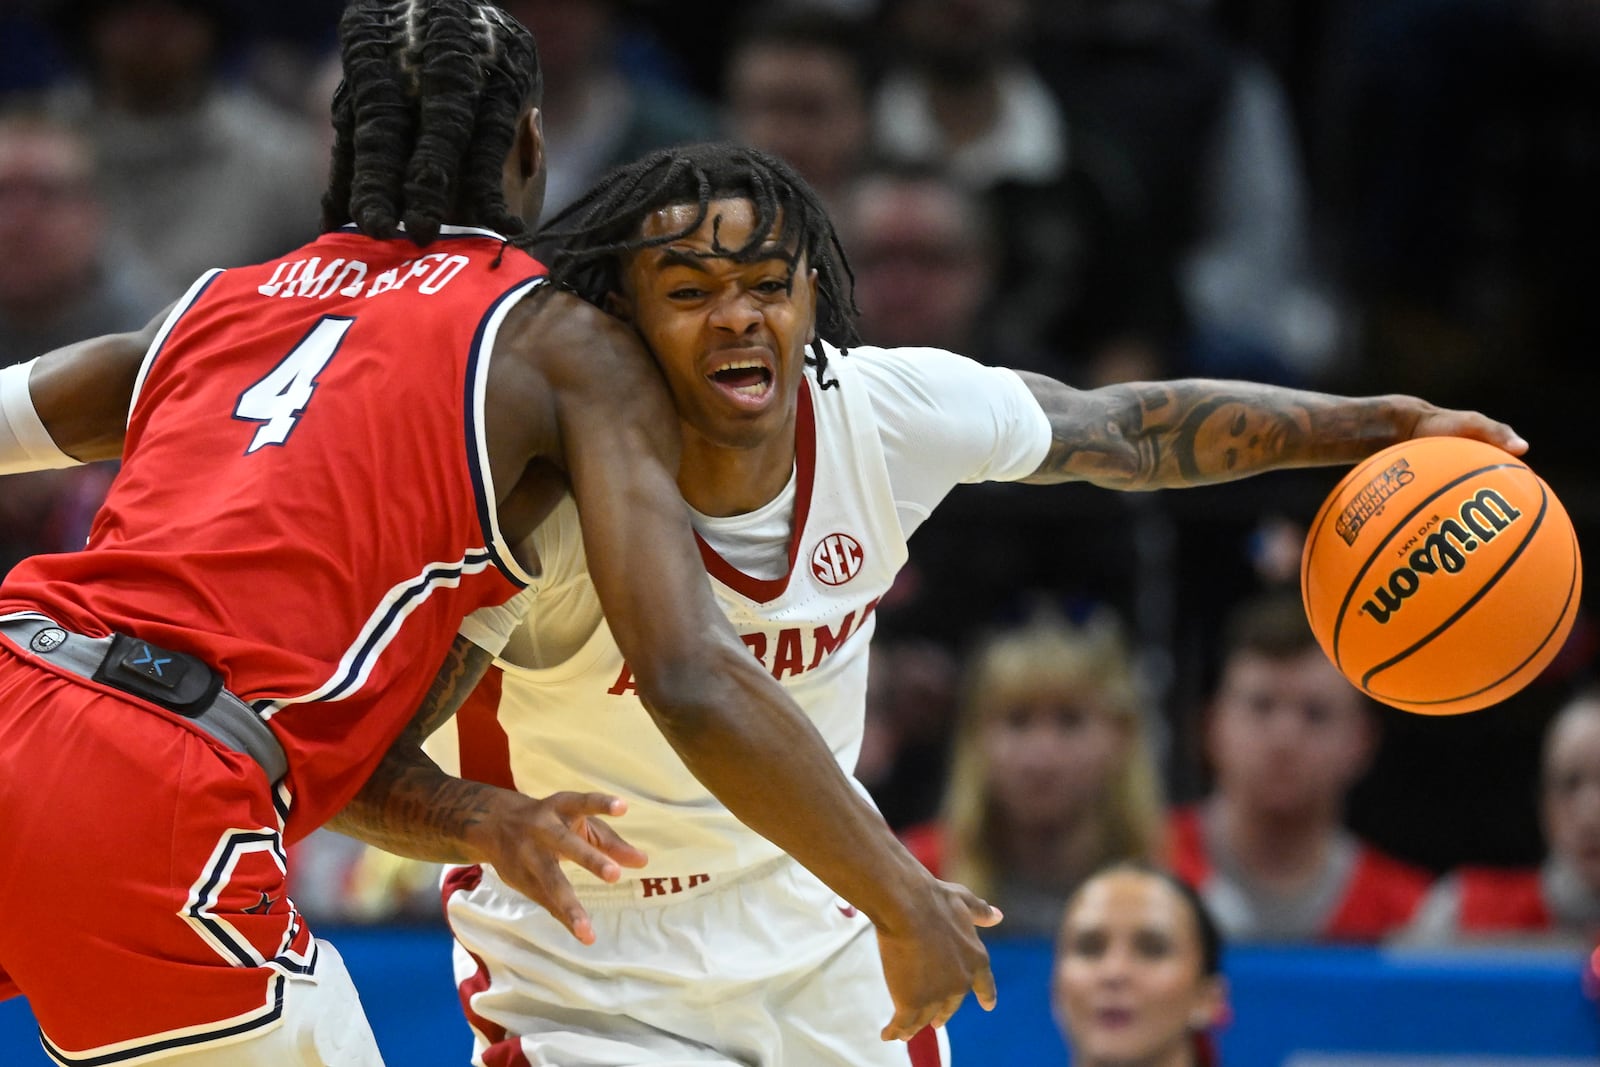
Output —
<point x="722" y="950"/>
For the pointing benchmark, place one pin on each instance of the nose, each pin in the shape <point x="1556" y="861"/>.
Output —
<point x="1114" y="966"/>
<point x="736" y="313"/>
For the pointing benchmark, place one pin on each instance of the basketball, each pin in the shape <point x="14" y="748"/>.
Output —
<point x="1441" y="575"/>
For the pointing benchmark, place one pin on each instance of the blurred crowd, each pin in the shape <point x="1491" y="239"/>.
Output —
<point x="1365" y="196"/>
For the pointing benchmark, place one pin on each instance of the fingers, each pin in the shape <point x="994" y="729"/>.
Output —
<point x="563" y="903"/>
<point x="983" y="986"/>
<point x="592" y="845"/>
<point x="1473" y="425"/>
<point x="612" y="844"/>
<point x="579" y="850"/>
<point x="984" y="914"/>
<point x="981" y="911"/>
<point x="907" y="1022"/>
<point x="572" y="806"/>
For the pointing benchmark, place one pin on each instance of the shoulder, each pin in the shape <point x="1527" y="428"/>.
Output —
<point x="569" y="341"/>
<point x="1186" y="847"/>
<point x="1396" y="870"/>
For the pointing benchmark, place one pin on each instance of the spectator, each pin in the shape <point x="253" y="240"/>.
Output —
<point x="597" y="112"/>
<point x="924" y="253"/>
<point x="195" y="173"/>
<point x="1560" y="899"/>
<point x="910" y="715"/>
<point x="1052" y="775"/>
<point x="796" y="85"/>
<point x="1138" y="973"/>
<point x="1213" y="156"/>
<point x="1287" y="737"/>
<point x="1075" y="273"/>
<point x="61" y="277"/>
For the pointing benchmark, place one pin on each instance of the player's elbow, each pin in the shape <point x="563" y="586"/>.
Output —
<point x="695" y="690"/>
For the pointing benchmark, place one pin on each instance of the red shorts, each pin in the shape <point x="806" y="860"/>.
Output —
<point x="141" y="873"/>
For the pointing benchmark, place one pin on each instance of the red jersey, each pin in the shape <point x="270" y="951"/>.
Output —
<point x="1379" y="896"/>
<point x="304" y="500"/>
<point x="1495" y="899"/>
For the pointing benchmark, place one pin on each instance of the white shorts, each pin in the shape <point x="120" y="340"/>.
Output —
<point x="761" y="968"/>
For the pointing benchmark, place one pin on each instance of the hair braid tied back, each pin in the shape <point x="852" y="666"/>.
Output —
<point x="425" y="116"/>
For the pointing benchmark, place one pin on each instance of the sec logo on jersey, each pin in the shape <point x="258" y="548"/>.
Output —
<point x="836" y="559"/>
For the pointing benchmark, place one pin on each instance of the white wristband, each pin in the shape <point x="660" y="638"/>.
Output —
<point x="25" y="445"/>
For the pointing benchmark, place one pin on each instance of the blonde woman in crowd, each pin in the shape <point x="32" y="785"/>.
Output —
<point x="1051" y="776"/>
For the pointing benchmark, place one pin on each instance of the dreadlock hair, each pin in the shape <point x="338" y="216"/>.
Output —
<point x="425" y="116"/>
<point x="586" y="244"/>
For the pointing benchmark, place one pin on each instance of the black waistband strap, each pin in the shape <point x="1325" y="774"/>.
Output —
<point x="180" y="683"/>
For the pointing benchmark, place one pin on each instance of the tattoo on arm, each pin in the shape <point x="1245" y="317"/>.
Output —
<point x="409" y="806"/>
<point x="1161" y="435"/>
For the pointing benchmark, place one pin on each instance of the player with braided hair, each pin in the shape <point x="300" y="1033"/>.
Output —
<point x="328" y="460"/>
<point x="806" y="472"/>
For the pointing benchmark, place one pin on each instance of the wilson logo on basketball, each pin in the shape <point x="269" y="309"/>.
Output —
<point x="836" y="559"/>
<point x="1483" y="516"/>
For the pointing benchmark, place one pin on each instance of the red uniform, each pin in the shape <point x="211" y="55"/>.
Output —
<point x="1500" y="900"/>
<point x="1379" y="895"/>
<point x="304" y="504"/>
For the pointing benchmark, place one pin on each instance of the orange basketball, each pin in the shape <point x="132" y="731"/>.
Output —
<point x="1441" y="575"/>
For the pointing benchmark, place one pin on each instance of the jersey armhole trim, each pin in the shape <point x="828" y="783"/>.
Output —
<point x="477" y="441"/>
<point x="178" y="311"/>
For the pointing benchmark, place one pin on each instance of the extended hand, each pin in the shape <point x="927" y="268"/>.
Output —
<point x="936" y="958"/>
<point x="531" y="841"/>
<point x="1443" y="422"/>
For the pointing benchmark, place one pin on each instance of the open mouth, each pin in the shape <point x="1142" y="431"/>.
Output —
<point x="745" y="379"/>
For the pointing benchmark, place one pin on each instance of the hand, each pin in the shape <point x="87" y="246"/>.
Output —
<point x="935" y="958"/>
<point x="532" y="836"/>
<point x="1443" y="422"/>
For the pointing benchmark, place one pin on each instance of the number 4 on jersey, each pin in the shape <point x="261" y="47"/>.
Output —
<point x="280" y="397"/>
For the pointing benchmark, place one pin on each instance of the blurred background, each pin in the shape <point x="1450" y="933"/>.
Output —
<point x="1361" y="196"/>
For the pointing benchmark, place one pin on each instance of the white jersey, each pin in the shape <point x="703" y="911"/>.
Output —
<point x="874" y="454"/>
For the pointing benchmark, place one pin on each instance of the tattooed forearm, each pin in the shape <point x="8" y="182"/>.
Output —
<point x="409" y="806"/>
<point x="1159" y="435"/>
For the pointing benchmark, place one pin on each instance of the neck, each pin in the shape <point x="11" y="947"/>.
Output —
<point x="966" y="110"/>
<point x="1052" y="855"/>
<point x="153" y="97"/>
<point x="720" y="480"/>
<point x="1181" y="1054"/>
<point x="1282" y="849"/>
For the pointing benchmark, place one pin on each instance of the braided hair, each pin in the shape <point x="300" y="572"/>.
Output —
<point x="586" y="244"/>
<point x="425" y="116"/>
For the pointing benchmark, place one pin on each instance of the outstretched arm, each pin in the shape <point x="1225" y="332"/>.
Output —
<point x="81" y="393"/>
<point x="1169" y="435"/>
<point x="410" y="807"/>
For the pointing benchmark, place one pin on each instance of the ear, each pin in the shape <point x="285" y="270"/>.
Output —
<point x="1211" y="1004"/>
<point x="619" y="306"/>
<point x="811" y="284"/>
<point x="529" y="146"/>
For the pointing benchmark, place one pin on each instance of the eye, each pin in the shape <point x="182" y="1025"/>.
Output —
<point x="1152" y="945"/>
<point x="773" y="287"/>
<point x="1090" y="944"/>
<point x="685" y="292"/>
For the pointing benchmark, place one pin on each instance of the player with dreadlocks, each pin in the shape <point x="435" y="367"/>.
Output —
<point x="327" y="460"/>
<point x="806" y="475"/>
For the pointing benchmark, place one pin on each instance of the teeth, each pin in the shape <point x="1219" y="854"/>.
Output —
<point x="742" y="364"/>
